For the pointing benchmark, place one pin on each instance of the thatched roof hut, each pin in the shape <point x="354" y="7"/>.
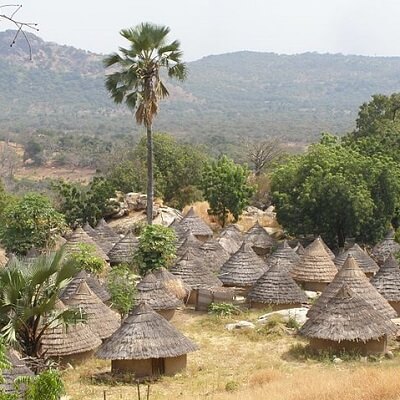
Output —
<point x="100" y="318"/>
<point x="124" y="250"/>
<point x="243" y="268"/>
<point x="231" y="238"/>
<point x="17" y="369"/>
<point x="173" y="284"/>
<point x="94" y="284"/>
<point x="79" y="236"/>
<point x="107" y="234"/>
<point x="146" y="345"/>
<point x="388" y="246"/>
<point x="352" y="275"/>
<point x="104" y="244"/>
<point x="155" y="294"/>
<point x="72" y="342"/>
<point x="190" y="242"/>
<point x="364" y="261"/>
<point x="315" y="268"/>
<point x="349" y="322"/>
<point x="259" y="239"/>
<point x="387" y="282"/>
<point x="214" y="254"/>
<point x="276" y="288"/>
<point x="299" y="249"/>
<point x="196" y="225"/>
<point x="284" y="255"/>
<point x="327" y="249"/>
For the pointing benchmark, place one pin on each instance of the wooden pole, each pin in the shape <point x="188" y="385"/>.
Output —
<point x="148" y="391"/>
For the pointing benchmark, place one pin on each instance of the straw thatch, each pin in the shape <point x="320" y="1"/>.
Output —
<point x="17" y="369"/>
<point x="107" y="234"/>
<point x="284" y="255"/>
<point x="143" y="335"/>
<point x="190" y="242"/>
<point x="101" y="320"/>
<point x="173" y="284"/>
<point x="259" y="238"/>
<point x="352" y="275"/>
<point x="276" y="286"/>
<point x="193" y="272"/>
<point x="63" y="341"/>
<point x="387" y="280"/>
<point x="79" y="236"/>
<point x="94" y="284"/>
<point x="123" y="251"/>
<point x="197" y="226"/>
<point x="299" y="249"/>
<point x="388" y="246"/>
<point x="3" y="258"/>
<point x="315" y="265"/>
<point x="154" y="293"/>
<point x="348" y="316"/>
<point x="243" y="268"/>
<point x="364" y="261"/>
<point x="103" y="244"/>
<point x="327" y="249"/>
<point x="231" y="238"/>
<point x="214" y="255"/>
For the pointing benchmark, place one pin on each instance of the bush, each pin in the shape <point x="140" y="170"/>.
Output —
<point x="46" y="386"/>
<point x="223" y="309"/>
<point x="86" y="259"/>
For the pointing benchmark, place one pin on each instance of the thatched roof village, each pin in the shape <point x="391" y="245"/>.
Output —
<point x="259" y="239"/>
<point x="387" y="247"/>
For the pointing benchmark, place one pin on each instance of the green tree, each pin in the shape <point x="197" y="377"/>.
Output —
<point x="226" y="188"/>
<point x="30" y="222"/>
<point x="28" y="296"/>
<point x="138" y="82"/>
<point x="156" y="248"/>
<point x="122" y="288"/>
<point x="47" y="385"/>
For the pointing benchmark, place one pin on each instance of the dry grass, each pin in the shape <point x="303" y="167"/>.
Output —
<point x="233" y="366"/>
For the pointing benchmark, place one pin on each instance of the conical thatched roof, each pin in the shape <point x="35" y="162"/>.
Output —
<point x="348" y="316"/>
<point x="123" y="251"/>
<point x="197" y="226"/>
<point x="100" y="319"/>
<point x="173" y="284"/>
<point x="257" y="236"/>
<point x="95" y="285"/>
<point x="243" y="268"/>
<point x="231" y="238"/>
<point x="214" y="254"/>
<point x="18" y="369"/>
<point x="315" y="265"/>
<point x="154" y="293"/>
<point x="364" y="261"/>
<point x="193" y="272"/>
<point x="181" y="234"/>
<point x="352" y="275"/>
<point x="104" y="244"/>
<point x="276" y="286"/>
<point x="79" y="236"/>
<point x="387" y="280"/>
<point x="66" y="341"/>
<point x="145" y="334"/>
<point x="385" y="248"/>
<point x="284" y="255"/>
<point x="107" y="234"/>
<point x="327" y="249"/>
<point x="299" y="249"/>
<point x="190" y="242"/>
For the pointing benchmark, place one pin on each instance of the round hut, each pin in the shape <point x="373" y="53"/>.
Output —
<point x="190" y="242"/>
<point x="100" y="318"/>
<point x="69" y="343"/>
<point x="196" y="225"/>
<point x="153" y="292"/>
<point x="124" y="250"/>
<point x="284" y="255"/>
<point x="327" y="249"/>
<point x="388" y="246"/>
<point x="79" y="236"/>
<point x="352" y="275"/>
<point x="17" y="369"/>
<point x="231" y="238"/>
<point x="94" y="284"/>
<point x="214" y="255"/>
<point x="299" y="249"/>
<point x="364" y="261"/>
<point x="146" y="345"/>
<point x="387" y="282"/>
<point x="242" y="269"/>
<point x="277" y="289"/>
<point x="191" y="269"/>
<point x="105" y="246"/>
<point x="259" y="239"/>
<point x="315" y="269"/>
<point x="173" y="284"/>
<point x="108" y="236"/>
<point x="348" y="322"/>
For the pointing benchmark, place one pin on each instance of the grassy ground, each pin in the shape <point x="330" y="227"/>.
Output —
<point x="247" y="365"/>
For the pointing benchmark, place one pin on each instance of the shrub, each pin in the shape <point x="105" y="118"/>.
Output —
<point x="86" y="259"/>
<point x="223" y="309"/>
<point x="48" y="385"/>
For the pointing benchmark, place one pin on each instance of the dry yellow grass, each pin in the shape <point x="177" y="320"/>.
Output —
<point x="236" y="366"/>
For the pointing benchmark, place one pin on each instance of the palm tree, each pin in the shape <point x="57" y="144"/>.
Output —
<point x="138" y="83"/>
<point x="28" y="297"/>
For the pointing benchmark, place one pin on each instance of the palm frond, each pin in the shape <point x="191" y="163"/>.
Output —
<point x="178" y="71"/>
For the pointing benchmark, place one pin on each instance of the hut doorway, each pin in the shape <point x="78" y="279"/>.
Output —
<point x="158" y="366"/>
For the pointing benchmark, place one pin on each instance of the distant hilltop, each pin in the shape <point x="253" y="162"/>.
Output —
<point x="225" y="97"/>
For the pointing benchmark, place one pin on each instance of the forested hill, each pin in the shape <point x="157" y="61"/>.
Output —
<point x="229" y="95"/>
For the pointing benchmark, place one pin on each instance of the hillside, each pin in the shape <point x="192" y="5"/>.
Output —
<point x="225" y="96"/>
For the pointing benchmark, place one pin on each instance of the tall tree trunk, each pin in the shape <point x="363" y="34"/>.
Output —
<point x="150" y="182"/>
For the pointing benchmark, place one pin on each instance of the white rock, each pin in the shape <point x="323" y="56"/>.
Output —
<point x="337" y="360"/>
<point x="299" y="314"/>
<point x="240" y="325"/>
<point x="312" y="295"/>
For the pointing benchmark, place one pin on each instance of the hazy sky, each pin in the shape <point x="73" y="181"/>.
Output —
<point x="368" y="27"/>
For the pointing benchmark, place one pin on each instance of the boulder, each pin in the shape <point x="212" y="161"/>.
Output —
<point x="299" y="314"/>
<point x="240" y="325"/>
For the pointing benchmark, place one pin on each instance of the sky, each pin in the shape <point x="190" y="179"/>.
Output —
<point x="204" y="27"/>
